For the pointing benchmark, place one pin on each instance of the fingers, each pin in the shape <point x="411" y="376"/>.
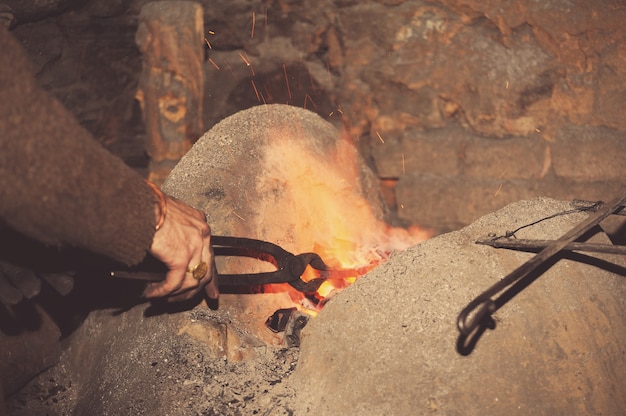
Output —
<point x="211" y="288"/>
<point x="172" y="284"/>
<point x="179" y="284"/>
<point x="182" y="243"/>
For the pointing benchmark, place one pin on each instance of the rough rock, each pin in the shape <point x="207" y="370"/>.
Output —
<point x="385" y="345"/>
<point x="25" y="11"/>
<point x="388" y="344"/>
<point x="273" y="173"/>
<point x="281" y="174"/>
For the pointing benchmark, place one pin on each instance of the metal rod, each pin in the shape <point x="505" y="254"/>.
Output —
<point x="581" y="203"/>
<point x="522" y="244"/>
<point x="483" y="305"/>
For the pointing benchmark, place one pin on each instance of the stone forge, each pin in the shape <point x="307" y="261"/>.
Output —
<point x="556" y="347"/>
<point x="282" y="174"/>
<point x="385" y="345"/>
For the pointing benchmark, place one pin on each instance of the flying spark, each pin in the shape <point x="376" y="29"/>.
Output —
<point x="253" y="23"/>
<point x="247" y="62"/>
<point x="498" y="191"/>
<point x="239" y="216"/>
<point x="214" y="64"/>
<point x="287" y="81"/>
<point x="380" y="138"/>
<point x="231" y="71"/>
<point x="243" y="58"/>
<point x="258" y="97"/>
<point x="308" y="97"/>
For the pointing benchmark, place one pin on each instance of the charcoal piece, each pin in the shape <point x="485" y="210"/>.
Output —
<point x="22" y="279"/>
<point x="63" y="283"/>
<point x="279" y="319"/>
<point x="297" y="321"/>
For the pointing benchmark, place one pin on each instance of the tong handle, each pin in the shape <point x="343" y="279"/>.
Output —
<point x="483" y="305"/>
<point x="290" y="267"/>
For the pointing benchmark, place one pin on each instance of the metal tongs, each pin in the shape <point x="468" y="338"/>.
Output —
<point x="290" y="267"/>
<point x="479" y="310"/>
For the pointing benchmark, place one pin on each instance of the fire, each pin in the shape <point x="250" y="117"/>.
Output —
<point x="332" y="214"/>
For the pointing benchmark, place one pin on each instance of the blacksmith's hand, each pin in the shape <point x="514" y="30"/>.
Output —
<point x="183" y="243"/>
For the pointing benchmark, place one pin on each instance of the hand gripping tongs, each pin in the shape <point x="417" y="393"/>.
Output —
<point x="289" y="267"/>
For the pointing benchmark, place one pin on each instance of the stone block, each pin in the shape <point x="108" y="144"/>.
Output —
<point x="446" y="203"/>
<point x="516" y="158"/>
<point x="555" y="346"/>
<point x="416" y="152"/>
<point x="450" y="203"/>
<point x="589" y="154"/>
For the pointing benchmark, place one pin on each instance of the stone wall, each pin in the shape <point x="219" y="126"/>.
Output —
<point x="461" y="106"/>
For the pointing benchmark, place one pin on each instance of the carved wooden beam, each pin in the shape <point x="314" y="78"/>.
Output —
<point x="171" y="85"/>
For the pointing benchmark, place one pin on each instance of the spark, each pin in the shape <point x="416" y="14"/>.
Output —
<point x="253" y="23"/>
<point x="210" y="32"/>
<point x="247" y="62"/>
<point x="380" y="138"/>
<point x="403" y="169"/>
<point x="244" y="59"/>
<point x="506" y="86"/>
<point x="268" y="92"/>
<point x="502" y="174"/>
<point x="313" y="86"/>
<point x="498" y="191"/>
<point x="287" y="81"/>
<point x="214" y="64"/>
<point x="231" y="71"/>
<point x="258" y="97"/>
<point x="331" y="114"/>
<point x="538" y="130"/>
<point x="330" y="78"/>
<point x="239" y="216"/>
<point x="308" y="97"/>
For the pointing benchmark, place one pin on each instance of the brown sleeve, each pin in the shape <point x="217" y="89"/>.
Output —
<point x="57" y="184"/>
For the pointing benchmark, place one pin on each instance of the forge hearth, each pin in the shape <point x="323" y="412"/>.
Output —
<point x="385" y="345"/>
<point x="273" y="172"/>
<point x="283" y="174"/>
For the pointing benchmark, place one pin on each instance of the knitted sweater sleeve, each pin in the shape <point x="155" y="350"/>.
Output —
<point x="57" y="184"/>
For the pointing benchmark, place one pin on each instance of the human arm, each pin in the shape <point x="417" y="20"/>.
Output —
<point x="60" y="187"/>
<point x="182" y="241"/>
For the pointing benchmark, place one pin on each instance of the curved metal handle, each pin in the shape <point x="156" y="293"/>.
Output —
<point x="482" y="308"/>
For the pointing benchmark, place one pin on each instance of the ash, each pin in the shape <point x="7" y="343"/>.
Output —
<point x="188" y="381"/>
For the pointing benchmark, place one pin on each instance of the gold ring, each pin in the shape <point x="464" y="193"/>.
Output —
<point x="199" y="271"/>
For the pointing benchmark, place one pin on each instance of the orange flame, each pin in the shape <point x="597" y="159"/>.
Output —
<point x="333" y="215"/>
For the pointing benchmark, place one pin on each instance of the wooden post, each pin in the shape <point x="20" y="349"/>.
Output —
<point x="171" y="85"/>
